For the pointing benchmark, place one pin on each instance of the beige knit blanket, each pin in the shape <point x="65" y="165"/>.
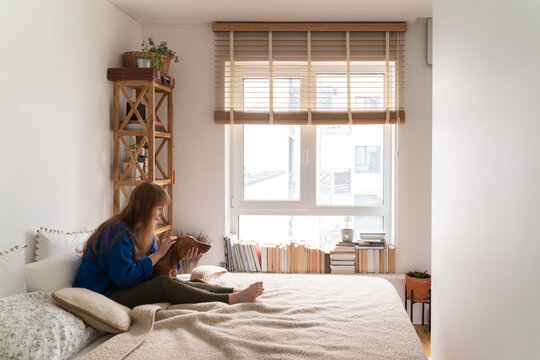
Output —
<point x="298" y="317"/>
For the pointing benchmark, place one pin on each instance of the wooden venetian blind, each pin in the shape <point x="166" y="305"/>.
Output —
<point x="301" y="73"/>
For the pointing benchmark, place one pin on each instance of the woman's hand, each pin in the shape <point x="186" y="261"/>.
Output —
<point x="165" y="244"/>
<point x="193" y="252"/>
<point x="163" y="247"/>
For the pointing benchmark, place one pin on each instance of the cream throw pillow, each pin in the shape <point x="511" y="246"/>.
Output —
<point x="12" y="271"/>
<point x="50" y="242"/>
<point x="54" y="273"/>
<point x="208" y="273"/>
<point x="95" y="309"/>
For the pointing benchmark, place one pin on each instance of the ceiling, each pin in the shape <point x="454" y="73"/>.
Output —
<point x="208" y="11"/>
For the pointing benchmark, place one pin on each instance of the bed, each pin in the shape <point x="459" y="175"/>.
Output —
<point x="299" y="316"/>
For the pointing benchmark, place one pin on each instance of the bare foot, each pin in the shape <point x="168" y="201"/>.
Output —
<point x="249" y="294"/>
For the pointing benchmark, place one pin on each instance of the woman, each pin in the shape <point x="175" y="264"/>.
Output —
<point x="119" y="256"/>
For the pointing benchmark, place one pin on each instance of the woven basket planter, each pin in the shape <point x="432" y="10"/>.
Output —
<point x="130" y="60"/>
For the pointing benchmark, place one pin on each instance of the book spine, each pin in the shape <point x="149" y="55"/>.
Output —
<point x="255" y="257"/>
<point x="258" y="257"/>
<point x="264" y="259"/>
<point x="226" y="251"/>
<point x="288" y="258"/>
<point x="270" y="251"/>
<point x="371" y="261"/>
<point x="381" y="261"/>
<point x="327" y="263"/>
<point x="300" y="258"/>
<point x="239" y="263"/>
<point x="391" y="259"/>
<point x="277" y="259"/>
<point x="245" y="262"/>
<point x="364" y="261"/>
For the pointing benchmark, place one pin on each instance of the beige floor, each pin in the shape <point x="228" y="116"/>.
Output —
<point x="425" y="337"/>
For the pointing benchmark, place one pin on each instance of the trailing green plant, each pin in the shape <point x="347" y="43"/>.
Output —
<point x="418" y="274"/>
<point x="133" y="147"/>
<point x="153" y="52"/>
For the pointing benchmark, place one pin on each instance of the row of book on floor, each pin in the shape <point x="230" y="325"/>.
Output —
<point x="371" y="254"/>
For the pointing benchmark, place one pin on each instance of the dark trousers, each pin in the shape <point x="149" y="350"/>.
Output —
<point x="169" y="289"/>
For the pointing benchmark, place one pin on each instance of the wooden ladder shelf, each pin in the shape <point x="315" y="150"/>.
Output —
<point x="149" y="131"/>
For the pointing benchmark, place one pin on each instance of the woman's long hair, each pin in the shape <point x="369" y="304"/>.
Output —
<point x="137" y="215"/>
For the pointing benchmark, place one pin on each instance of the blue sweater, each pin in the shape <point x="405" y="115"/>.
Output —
<point x="114" y="267"/>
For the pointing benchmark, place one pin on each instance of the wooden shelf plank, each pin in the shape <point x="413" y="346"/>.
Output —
<point x="160" y="182"/>
<point x="140" y="84"/>
<point x="163" y="182"/>
<point x="163" y="228"/>
<point x="159" y="134"/>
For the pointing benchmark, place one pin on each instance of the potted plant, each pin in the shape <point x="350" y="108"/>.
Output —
<point x="133" y="172"/>
<point x="347" y="234"/>
<point x="158" y="55"/>
<point x="419" y="283"/>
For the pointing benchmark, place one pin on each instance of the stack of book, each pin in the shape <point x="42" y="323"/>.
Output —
<point x="293" y="258"/>
<point x="241" y="255"/>
<point x="365" y="256"/>
<point x="370" y="252"/>
<point x="373" y="241"/>
<point x="160" y="128"/>
<point x="342" y="259"/>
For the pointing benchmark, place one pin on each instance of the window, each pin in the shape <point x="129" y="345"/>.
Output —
<point x="291" y="180"/>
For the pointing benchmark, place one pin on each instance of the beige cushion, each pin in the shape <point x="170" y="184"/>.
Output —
<point x="207" y="273"/>
<point x="95" y="309"/>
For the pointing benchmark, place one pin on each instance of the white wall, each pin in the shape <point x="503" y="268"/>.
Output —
<point x="486" y="172"/>
<point x="199" y="145"/>
<point x="413" y="234"/>
<point x="200" y="191"/>
<point x="56" y="104"/>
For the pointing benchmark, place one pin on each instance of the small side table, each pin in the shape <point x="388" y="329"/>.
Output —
<point x="423" y="302"/>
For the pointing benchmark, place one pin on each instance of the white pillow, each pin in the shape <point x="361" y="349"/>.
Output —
<point x="54" y="273"/>
<point x="95" y="309"/>
<point x="207" y="273"/>
<point x="49" y="242"/>
<point x="12" y="271"/>
<point x="33" y="327"/>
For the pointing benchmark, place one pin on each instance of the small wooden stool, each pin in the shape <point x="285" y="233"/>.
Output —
<point x="423" y="302"/>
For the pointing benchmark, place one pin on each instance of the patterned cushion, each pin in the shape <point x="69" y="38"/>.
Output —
<point x="32" y="326"/>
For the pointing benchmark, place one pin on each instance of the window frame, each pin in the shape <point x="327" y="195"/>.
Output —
<point x="307" y="205"/>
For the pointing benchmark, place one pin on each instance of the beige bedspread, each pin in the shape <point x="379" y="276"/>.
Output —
<point x="298" y="317"/>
